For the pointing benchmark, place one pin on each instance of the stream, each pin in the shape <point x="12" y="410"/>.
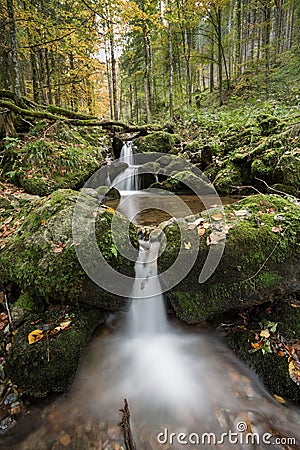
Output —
<point x="184" y="387"/>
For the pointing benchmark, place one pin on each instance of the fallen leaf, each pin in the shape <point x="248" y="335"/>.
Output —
<point x="43" y="222"/>
<point x="279" y="399"/>
<point x="35" y="336"/>
<point x="215" y="237"/>
<point x="294" y="372"/>
<point x="63" y="325"/>
<point x="201" y="231"/>
<point x="241" y="212"/>
<point x="281" y="353"/>
<point x="279" y="217"/>
<point x="277" y="229"/>
<point x="256" y="344"/>
<point x="265" y="333"/>
<point x="217" y="217"/>
<point x="111" y="210"/>
<point x="65" y="440"/>
<point x="58" y="249"/>
<point x="187" y="245"/>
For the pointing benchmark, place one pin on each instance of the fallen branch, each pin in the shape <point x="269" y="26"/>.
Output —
<point x="57" y="114"/>
<point x="247" y="187"/>
<point x="125" y="425"/>
<point x="269" y="187"/>
<point x="8" y="310"/>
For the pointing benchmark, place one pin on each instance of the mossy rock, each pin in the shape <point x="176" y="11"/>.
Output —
<point x="228" y="178"/>
<point x="40" y="257"/>
<point x="271" y="368"/>
<point x="287" y="170"/>
<point x="160" y="141"/>
<point x="257" y="264"/>
<point x="42" y="166"/>
<point x="50" y="364"/>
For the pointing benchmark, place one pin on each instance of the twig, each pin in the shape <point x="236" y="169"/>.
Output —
<point x="125" y="424"/>
<point x="7" y="309"/>
<point x="247" y="187"/>
<point x="269" y="187"/>
<point x="263" y="264"/>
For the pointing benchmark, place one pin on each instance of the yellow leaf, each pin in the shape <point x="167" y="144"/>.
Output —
<point x="111" y="210"/>
<point x="187" y="245"/>
<point x="279" y="399"/>
<point x="63" y="325"/>
<point x="265" y="333"/>
<point x="35" y="336"/>
<point x="217" y="217"/>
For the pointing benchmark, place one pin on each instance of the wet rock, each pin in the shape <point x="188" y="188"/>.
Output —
<point x="40" y="256"/>
<point x="160" y="141"/>
<point x="50" y="364"/>
<point x="7" y="424"/>
<point x="257" y="264"/>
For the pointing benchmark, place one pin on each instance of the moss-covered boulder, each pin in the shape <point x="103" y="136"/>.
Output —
<point x="271" y="367"/>
<point x="259" y="263"/>
<point x="228" y="179"/>
<point x="40" y="258"/>
<point x="42" y="165"/>
<point x="49" y="361"/>
<point x="160" y="141"/>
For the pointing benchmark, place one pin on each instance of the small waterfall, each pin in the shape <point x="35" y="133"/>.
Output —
<point x="129" y="179"/>
<point x="147" y="315"/>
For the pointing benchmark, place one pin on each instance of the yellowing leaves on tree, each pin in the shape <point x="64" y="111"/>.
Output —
<point x="35" y="336"/>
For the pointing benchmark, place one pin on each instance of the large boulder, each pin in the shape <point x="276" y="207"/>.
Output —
<point x="160" y="141"/>
<point x="42" y="165"/>
<point x="260" y="261"/>
<point x="39" y="255"/>
<point x="47" y="348"/>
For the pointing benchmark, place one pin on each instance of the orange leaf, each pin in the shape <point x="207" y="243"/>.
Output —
<point x="35" y="336"/>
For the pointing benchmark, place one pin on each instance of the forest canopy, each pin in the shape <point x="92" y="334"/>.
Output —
<point x="144" y="59"/>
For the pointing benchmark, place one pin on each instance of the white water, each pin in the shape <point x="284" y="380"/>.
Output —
<point x="174" y="380"/>
<point x="129" y="179"/>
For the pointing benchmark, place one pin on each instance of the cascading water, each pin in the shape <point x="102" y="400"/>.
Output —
<point x="181" y="383"/>
<point x="129" y="179"/>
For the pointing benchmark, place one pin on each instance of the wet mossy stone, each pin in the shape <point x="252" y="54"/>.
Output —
<point x="40" y="257"/>
<point x="50" y="364"/>
<point x="228" y="179"/>
<point x="160" y="141"/>
<point x="272" y="369"/>
<point x="42" y="166"/>
<point x="257" y="265"/>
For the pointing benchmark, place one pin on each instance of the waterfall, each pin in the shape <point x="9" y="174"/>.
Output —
<point x="147" y="315"/>
<point x="129" y="179"/>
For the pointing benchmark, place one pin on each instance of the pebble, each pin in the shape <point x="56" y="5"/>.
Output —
<point x="7" y="424"/>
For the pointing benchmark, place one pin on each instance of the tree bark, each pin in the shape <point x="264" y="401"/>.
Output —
<point x="14" y="49"/>
<point x="170" y="39"/>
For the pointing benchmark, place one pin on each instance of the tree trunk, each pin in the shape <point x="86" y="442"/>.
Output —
<point x="170" y="39"/>
<point x="14" y="49"/>
<point x="147" y="49"/>
<point x="113" y="74"/>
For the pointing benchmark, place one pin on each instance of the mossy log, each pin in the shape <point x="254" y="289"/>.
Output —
<point x="57" y="114"/>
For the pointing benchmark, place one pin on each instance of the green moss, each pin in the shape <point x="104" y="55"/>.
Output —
<point x="160" y="141"/>
<point x="50" y="365"/>
<point x="272" y="369"/>
<point x="257" y="265"/>
<point x="31" y="262"/>
<point x="42" y="165"/>
<point x="227" y="179"/>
